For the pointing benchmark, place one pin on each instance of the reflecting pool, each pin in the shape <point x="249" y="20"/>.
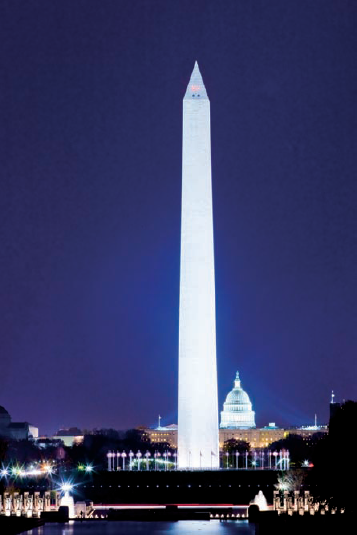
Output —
<point x="182" y="527"/>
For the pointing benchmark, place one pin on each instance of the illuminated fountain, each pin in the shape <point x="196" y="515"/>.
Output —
<point x="67" y="499"/>
<point x="261" y="501"/>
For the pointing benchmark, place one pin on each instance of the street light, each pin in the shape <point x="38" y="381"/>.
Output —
<point x="139" y="458"/>
<point x="123" y="457"/>
<point x="158" y="454"/>
<point x="66" y="487"/>
<point x="275" y="453"/>
<point x="131" y="454"/>
<point x="147" y="455"/>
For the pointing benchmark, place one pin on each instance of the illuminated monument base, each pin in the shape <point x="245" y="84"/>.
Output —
<point x="198" y="401"/>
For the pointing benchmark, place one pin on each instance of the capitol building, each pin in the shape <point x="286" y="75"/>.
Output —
<point x="237" y="409"/>
<point x="238" y="423"/>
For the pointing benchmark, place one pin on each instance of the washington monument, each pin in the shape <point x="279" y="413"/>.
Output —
<point x="198" y="400"/>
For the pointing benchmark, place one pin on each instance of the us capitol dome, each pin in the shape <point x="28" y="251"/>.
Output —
<point x="237" y="409"/>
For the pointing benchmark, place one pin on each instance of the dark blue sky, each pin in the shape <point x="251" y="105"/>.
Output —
<point x="90" y="181"/>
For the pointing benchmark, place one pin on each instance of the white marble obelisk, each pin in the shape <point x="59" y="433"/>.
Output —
<point x="198" y="401"/>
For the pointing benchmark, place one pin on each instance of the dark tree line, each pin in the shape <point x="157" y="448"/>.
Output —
<point x="93" y="450"/>
<point x="333" y="477"/>
<point x="300" y="449"/>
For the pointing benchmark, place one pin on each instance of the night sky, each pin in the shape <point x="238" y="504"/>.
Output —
<point x="90" y="183"/>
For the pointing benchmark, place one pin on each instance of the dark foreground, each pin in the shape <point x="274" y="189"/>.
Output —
<point x="223" y="486"/>
<point x="274" y="526"/>
<point x="14" y="525"/>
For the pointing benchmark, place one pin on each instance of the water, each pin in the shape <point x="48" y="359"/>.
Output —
<point x="260" y="501"/>
<point x="182" y="527"/>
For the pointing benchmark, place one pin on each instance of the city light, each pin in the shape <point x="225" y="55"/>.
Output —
<point x="48" y="469"/>
<point x="16" y="471"/>
<point x="66" y="487"/>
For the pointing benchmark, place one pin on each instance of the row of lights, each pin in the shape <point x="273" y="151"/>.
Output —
<point x="167" y="486"/>
<point x="211" y="516"/>
<point x="228" y="516"/>
<point x="18" y="471"/>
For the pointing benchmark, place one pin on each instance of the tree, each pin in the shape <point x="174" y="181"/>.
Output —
<point x="297" y="447"/>
<point x="4" y="445"/>
<point x="333" y="477"/>
<point x="291" y="480"/>
<point x="232" y="445"/>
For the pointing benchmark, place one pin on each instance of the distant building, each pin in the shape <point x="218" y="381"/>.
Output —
<point x="69" y="440"/>
<point x="237" y="409"/>
<point x="256" y="438"/>
<point x="161" y="435"/>
<point x="15" y="430"/>
<point x="69" y="436"/>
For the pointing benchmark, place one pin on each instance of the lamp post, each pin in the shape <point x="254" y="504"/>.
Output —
<point x="237" y="458"/>
<point x="123" y="455"/>
<point x="147" y="455"/>
<point x="269" y="455"/>
<point x="118" y="456"/>
<point x="275" y="455"/>
<point x="139" y="459"/>
<point x="113" y="461"/>
<point x="167" y="458"/>
<point x="131" y="454"/>
<point x="246" y="460"/>
<point x="175" y="458"/>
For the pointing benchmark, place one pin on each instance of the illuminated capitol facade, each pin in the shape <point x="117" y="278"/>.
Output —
<point x="237" y="409"/>
<point x="237" y="422"/>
